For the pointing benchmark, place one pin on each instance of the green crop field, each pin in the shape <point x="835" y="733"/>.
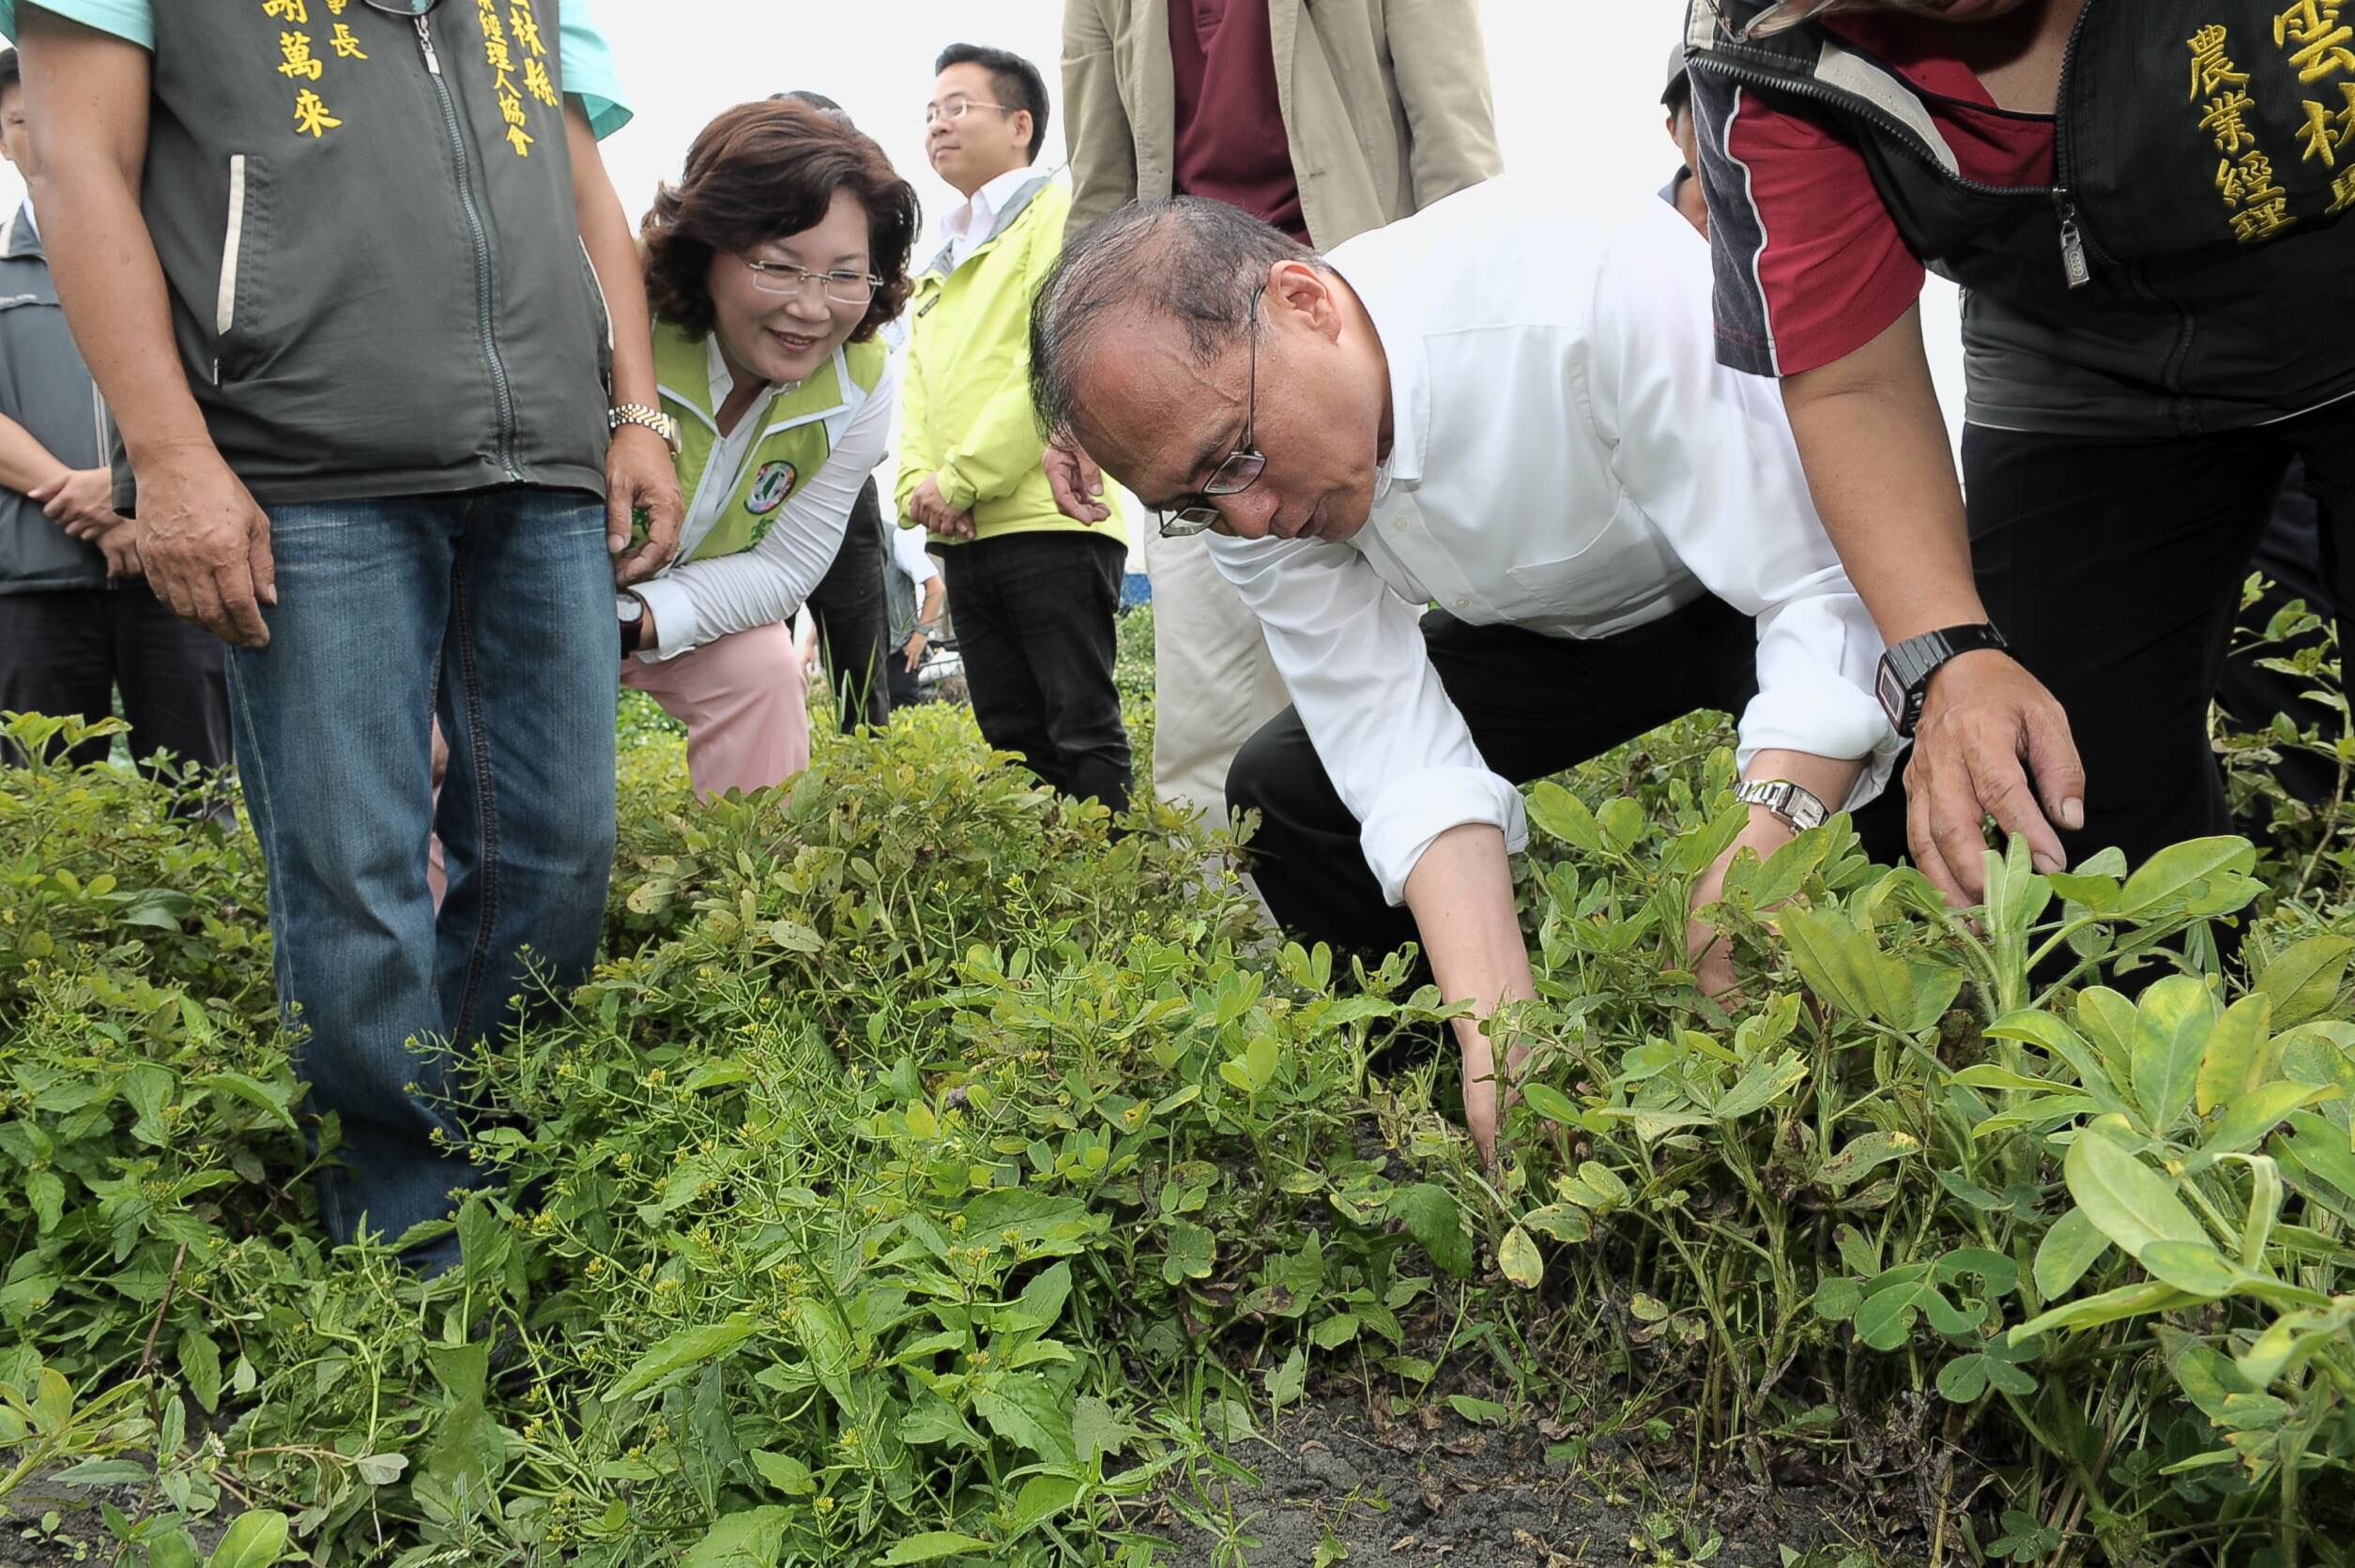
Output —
<point x="930" y="1175"/>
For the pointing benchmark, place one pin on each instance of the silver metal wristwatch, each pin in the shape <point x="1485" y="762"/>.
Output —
<point x="1799" y="808"/>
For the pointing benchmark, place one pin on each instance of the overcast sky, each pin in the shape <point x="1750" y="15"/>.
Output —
<point x="1577" y="86"/>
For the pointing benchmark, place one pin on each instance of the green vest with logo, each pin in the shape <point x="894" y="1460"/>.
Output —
<point x="798" y="430"/>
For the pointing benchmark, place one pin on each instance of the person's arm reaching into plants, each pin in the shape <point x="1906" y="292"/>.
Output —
<point x="639" y="474"/>
<point x="1992" y="741"/>
<point x="204" y="541"/>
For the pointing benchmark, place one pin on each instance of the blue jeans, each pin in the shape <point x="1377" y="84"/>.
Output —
<point x="495" y="609"/>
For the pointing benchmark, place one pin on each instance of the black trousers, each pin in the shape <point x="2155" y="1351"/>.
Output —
<point x="2114" y="568"/>
<point x="1034" y="614"/>
<point x="905" y="690"/>
<point x="65" y="651"/>
<point x="852" y="616"/>
<point x="1534" y="704"/>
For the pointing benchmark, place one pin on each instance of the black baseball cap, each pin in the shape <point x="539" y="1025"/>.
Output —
<point x="1680" y="89"/>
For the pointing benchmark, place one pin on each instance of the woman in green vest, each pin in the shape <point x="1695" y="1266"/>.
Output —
<point x="771" y="266"/>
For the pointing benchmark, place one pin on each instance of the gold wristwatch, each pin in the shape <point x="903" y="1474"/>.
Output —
<point x="655" y="419"/>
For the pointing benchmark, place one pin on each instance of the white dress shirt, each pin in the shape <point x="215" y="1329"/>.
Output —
<point x="910" y="558"/>
<point x="967" y="226"/>
<point x="694" y="602"/>
<point x="1568" y="455"/>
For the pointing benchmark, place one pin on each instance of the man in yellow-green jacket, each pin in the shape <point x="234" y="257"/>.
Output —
<point x="1033" y="592"/>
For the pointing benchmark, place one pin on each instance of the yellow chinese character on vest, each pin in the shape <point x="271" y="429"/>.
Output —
<point x="296" y="47"/>
<point x="2211" y="67"/>
<point x="311" y="116"/>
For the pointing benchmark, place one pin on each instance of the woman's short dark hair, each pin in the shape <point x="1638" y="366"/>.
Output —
<point x="761" y="172"/>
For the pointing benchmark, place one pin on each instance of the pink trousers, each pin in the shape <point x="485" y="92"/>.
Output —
<point x="745" y="703"/>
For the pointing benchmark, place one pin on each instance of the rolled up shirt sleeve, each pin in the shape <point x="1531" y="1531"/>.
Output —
<point x="1707" y="452"/>
<point x="590" y="75"/>
<point x="1350" y="652"/>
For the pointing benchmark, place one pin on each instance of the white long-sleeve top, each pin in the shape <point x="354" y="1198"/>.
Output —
<point x="1568" y="455"/>
<point x="696" y="602"/>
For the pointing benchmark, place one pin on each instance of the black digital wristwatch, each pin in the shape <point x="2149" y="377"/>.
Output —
<point x="1905" y="670"/>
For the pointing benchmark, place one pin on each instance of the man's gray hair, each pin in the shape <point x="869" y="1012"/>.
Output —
<point x="1182" y="258"/>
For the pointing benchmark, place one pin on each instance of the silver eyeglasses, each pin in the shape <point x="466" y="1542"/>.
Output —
<point x="1239" y="470"/>
<point x="841" y="288"/>
<point x="957" y="108"/>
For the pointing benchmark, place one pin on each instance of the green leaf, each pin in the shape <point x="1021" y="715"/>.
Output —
<point x="1041" y="1499"/>
<point x="687" y="1347"/>
<point x="380" y="1470"/>
<point x="2132" y="1301"/>
<point x="1480" y="1413"/>
<point x="2194" y="1268"/>
<point x="931" y="1546"/>
<point x="1335" y="1331"/>
<point x="2073" y="1245"/>
<point x="2235" y="1059"/>
<point x="1549" y="1102"/>
<point x="2254" y="1112"/>
<point x="250" y="1089"/>
<point x="783" y="1472"/>
<point x="1192" y="1251"/>
<point x="753" y="1538"/>
<point x="1287" y="1382"/>
<point x="2185" y="874"/>
<point x="2172" y="1023"/>
<point x="46" y="1191"/>
<point x="716" y="1075"/>
<point x="1432" y="1217"/>
<point x="793" y="937"/>
<point x="1029" y="1413"/>
<point x="2302" y="980"/>
<point x="2126" y="1201"/>
<point x="1764" y="1084"/>
<point x="2320" y="1149"/>
<point x="1040" y="1302"/>
<point x="1865" y="1153"/>
<point x="254" y="1540"/>
<point x="1986" y="1074"/>
<point x="1097" y="1433"/>
<point x="1622" y="821"/>
<point x="1565" y="815"/>
<point x="1838" y="1297"/>
<point x="1517" y="1259"/>
<point x="1561" y="1222"/>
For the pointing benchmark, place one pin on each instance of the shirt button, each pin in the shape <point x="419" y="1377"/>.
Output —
<point x="1462" y="602"/>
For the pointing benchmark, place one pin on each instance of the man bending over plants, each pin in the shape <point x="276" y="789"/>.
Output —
<point x="1610" y="530"/>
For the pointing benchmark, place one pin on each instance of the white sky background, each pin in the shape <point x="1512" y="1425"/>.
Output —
<point x="1577" y="86"/>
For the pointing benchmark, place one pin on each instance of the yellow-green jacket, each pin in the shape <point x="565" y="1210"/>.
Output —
<point x="966" y="411"/>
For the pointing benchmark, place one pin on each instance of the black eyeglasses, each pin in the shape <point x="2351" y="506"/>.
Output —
<point x="1238" y="471"/>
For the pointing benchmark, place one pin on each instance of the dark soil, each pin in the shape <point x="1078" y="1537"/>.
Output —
<point x="79" y="1534"/>
<point x="1438" y="1491"/>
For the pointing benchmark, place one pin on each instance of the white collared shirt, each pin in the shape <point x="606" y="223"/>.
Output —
<point x="1568" y="455"/>
<point x="964" y="227"/>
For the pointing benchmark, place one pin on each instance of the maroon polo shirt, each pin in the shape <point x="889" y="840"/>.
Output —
<point x="1232" y="144"/>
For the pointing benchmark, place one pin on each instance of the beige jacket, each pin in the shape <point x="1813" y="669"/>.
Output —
<point x="1387" y="102"/>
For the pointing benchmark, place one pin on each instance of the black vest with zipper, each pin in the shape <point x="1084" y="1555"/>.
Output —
<point x="367" y="228"/>
<point x="2185" y="272"/>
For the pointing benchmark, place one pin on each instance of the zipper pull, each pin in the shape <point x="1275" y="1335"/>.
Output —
<point x="425" y="41"/>
<point x="2072" y="243"/>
